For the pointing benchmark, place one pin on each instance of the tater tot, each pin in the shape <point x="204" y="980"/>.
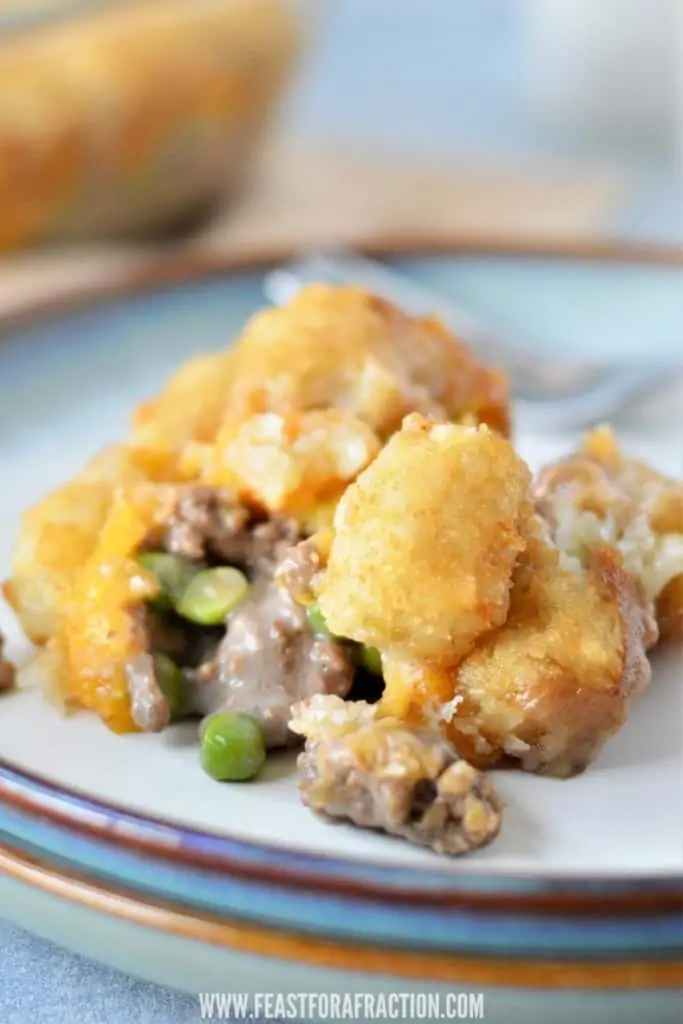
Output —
<point x="190" y="407"/>
<point x="56" y="536"/>
<point x="347" y="349"/>
<point x="294" y="462"/>
<point x="670" y="609"/>
<point x="426" y="541"/>
<point x="552" y="684"/>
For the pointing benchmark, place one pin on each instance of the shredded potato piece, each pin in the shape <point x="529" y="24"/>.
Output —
<point x="598" y="496"/>
<point x="290" y="463"/>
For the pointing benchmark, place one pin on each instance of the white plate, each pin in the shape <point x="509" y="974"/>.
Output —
<point x="64" y="391"/>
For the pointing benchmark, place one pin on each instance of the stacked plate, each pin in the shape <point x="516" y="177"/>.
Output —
<point x="121" y="848"/>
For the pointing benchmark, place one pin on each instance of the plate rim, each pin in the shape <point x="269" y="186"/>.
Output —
<point x="286" y="944"/>
<point x="178" y="267"/>
<point x="194" y="848"/>
<point x="38" y="795"/>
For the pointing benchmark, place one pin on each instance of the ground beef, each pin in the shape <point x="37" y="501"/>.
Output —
<point x="149" y="708"/>
<point x="7" y="670"/>
<point x="206" y="521"/>
<point x="267" y="657"/>
<point x="268" y="660"/>
<point x="379" y="773"/>
<point x="298" y="569"/>
<point x="269" y="543"/>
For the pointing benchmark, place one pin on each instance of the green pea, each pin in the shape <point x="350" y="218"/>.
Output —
<point x="370" y="659"/>
<point x="233" y="748"/>
<point x="170" y="680"/>
<point x="316" y="620"/>
<point x="212" y="594"/>
<point x="173" y="573"/>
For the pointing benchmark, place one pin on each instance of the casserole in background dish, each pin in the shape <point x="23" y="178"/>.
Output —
<point x="126" y="119"/>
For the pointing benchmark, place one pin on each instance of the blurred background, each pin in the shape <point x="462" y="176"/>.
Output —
<point x="258" y="127"/>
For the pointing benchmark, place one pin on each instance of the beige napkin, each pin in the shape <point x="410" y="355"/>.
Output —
<point x="297" y="199"/>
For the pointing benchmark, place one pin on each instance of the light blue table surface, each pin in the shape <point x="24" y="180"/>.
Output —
<point x="570" y="309"/>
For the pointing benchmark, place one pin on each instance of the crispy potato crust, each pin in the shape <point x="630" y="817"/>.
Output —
<point x="338" y="369"/>
<point x="57" y="535"/>
<point x="670" y="609"/>
<point x="291" y="463"/>
<point x="346" y="349"/>
<point x="426" y="541"/>
<point x="553" y="683"/>
<point x="190" y="408"/>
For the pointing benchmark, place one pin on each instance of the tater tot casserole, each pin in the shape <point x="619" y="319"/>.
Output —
<point x="323" y="536"/>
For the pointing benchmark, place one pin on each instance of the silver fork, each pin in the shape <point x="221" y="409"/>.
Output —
<point x="556" y="393"/>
